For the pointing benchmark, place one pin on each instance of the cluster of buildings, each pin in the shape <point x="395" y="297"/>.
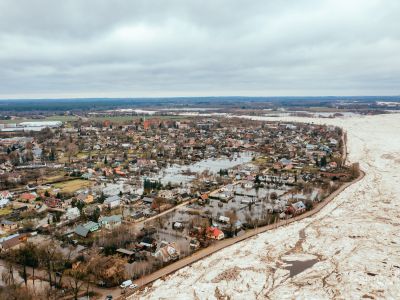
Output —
<point x="112" y="176"/>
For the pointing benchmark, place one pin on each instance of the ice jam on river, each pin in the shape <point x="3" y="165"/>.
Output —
<point x="349" y="250"/>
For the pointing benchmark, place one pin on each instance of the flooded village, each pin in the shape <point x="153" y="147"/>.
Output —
<point x="101" y="201"/>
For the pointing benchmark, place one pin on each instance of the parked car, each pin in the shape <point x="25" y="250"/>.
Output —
<point x="109" y="297"/>
<point x="126" y="283"/>
<point x="133" y="286"/>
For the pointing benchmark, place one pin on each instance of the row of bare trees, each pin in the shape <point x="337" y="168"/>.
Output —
<point x="47" y="262"/>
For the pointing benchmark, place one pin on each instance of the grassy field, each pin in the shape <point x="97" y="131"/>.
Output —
<point x="260" y="160"/>
<point x="54" y="176"/>
<point x="5" y="211"/>
<point x="72" y="186"/>
<point x="82" y="155"/>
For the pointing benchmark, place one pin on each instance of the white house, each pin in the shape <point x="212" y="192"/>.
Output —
<point x="4" y="203"/>
<point x="110" y="222"/>
<point x="224" y="219"/>
<point x="167" y="252"/>
<point x="112" y="202"/>
<point x="73" y="213"/>
<point x="248" y="185"/>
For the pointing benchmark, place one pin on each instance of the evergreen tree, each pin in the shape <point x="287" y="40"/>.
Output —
<point x="102" y="198"/>
<point x="52" y="155"/>
<point x="96" y="215"/>
<point x="323" y="161"/>
<point x="80" y="205"/>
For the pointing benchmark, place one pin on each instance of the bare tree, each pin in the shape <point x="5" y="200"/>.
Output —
<point x="76" y="279"/>
<point x="70" y="148"/>
<point x="107" y="269"/>
<point x="49" y="255"/>
<point x="27" y="256"/>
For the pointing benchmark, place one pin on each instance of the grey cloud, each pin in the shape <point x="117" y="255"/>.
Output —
<point x="166" y="48"/>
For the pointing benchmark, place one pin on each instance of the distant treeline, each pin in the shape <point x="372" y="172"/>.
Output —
<point x="91" y="104"/>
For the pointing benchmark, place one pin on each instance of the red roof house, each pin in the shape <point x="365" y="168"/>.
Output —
<point x="215" y="233"/>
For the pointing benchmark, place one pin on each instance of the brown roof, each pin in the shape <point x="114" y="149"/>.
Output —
<point x="204" y="196"/>
<point x="15" y="241"/>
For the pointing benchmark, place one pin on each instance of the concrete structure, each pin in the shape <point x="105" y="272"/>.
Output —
<point x="30" y="126"/>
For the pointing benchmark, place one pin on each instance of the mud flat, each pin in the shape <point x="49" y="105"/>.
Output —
<point x="355" y="237"/>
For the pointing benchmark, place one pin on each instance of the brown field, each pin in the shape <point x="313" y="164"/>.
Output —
<point x="72" y="186"/>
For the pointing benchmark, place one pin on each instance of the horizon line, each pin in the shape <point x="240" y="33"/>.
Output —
<point x="193" y="97"/>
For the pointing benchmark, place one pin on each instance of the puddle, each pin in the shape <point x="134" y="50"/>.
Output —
<point x="297" y="266"/>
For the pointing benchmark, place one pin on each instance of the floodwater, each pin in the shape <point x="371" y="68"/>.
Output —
<point x="174" y="174"/>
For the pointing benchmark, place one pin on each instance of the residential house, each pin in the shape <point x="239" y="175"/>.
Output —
<point x="12" y="241"/>
<point x="4" y="203"/>
<point x="167" y="252"/>
<point x="110" y="222"/>
<point x="137" y="216"/>
<point x="73" y="213"/>
<point x="89" y="199"/>
<point x="332" y="165"/>
<point x="203" y="198"/>
<point x="5" y="195"/>
<point x="148" y="242"/>
<point x="224" y="219"/>
<point x="177" y="225"/>
<point x="194" y="244"/>
<point x="81" y="231"/>
<point x="215" y="233"/>
<point x="148" y="200"/>
<point x="112" y="202"/>
<point x="84" y="229"/>
<point x="37" y="154"/>
<point x="28" y="197"/>
<point x="53" y="202"/>
<point x="119" y="172"/>
<point x="8" y="225"/>
<point x="248" y="185"/>
<point x="167" y="194"/>
<point x="299" y="207"/>
<point x="126" y="253"/>
<point x="333" y="142"/>
<point x="87" y="175"/>
<point x="92" y="226"/>
<point x="85" y="197"/>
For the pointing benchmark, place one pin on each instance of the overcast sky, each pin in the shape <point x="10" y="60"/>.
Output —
<point x="198" y="48"/>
